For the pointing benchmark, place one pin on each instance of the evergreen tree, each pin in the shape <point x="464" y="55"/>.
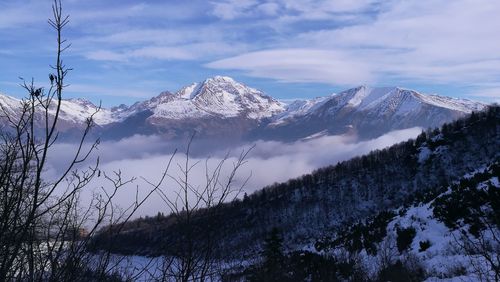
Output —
<point x="273" y="267"/>
<point x="273" y="249"/>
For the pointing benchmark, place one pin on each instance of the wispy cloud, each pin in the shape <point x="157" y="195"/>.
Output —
<point x="439" y="45"/>
<point x="288" y="10"/>
<point x="100" y="91"/>
<point x="163" y="53"/>
<point x="185" y="52"/>
<point x="17" y="14"/>
<point x="446" y="42"/>
<point x="232" y="9"/>
<point x="301" y="65"/>
<point x="449" y="41"/>
<point x="489" y="94"/>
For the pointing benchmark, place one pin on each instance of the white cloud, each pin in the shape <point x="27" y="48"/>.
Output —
<point x="231" y="9"/>
<point x="148" y="36"/>
<point x="448" y="41"/>
<point x="268" y="162"/>
<point x="269" y="9"/>
<point x="15" y="15"/>
<point x="441" y="42"/>
<point x="488" y="94"/>
<point x="289" y="10"/>
<point x="91" y="12"/>
<point x="337" y="6"/>
<point x="190" y="51"/>
<point x="94" y="90"/>
<point x="86" y="15"/>
<point x="162" y="53"/>
<point x="106" y="55"/>
<point x="300" y="65"/>
<point x="340" y="42"/>
<point x="6" y="52"/>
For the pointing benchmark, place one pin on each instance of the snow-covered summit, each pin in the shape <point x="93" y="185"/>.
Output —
<point x="401" y="100"/>
<point x="378" y="101"/>
<point x="367" y="112"/>
<point x="219" y="96"/>
<point x="72" y="111"/>
<point x="212" y="103"/>
<point x="9" y="105"/>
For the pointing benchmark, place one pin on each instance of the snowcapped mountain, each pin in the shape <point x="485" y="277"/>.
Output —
<point x="216" y="107"/>
<point x="368" y="111"/>
<point x="9" y="105"/>
<point x="73" y="112"/>
<point x="222" y="107"/>
<point x="78" y="110"/>
<point x="215" y="97"/>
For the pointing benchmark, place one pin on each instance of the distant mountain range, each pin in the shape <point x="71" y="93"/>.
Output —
<point x="221" y="107"/>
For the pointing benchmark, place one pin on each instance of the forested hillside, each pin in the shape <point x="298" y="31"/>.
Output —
<point x="319" y="204"/>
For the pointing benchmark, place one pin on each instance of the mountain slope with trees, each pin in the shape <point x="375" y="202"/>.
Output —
<point x="317" y="205"/>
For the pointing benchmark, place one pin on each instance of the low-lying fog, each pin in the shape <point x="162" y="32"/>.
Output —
<point x="267" y="162"/>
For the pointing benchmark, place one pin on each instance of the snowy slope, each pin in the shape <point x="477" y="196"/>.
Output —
<point x="75" y="111"/>
<point x="366" y="112"/>
<point x="380" y="101"/>
<point x="299" y="108"/>
<point x="215" y="97"/>
<point x="78" y="110"/>
<point x="9" y="105"/>
<point x="221" y="104"/>
<point x="444" y="259"/>
<point x="218" y="96"/>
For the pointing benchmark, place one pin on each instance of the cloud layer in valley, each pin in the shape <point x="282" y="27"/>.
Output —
<point x="267" y="163"/>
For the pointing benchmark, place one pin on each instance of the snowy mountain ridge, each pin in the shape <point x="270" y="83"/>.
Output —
<point x="72" y="110"/>
<point x="220" y="96"/>
<point x="222" y="105"/>
<point x="379" y="101"/>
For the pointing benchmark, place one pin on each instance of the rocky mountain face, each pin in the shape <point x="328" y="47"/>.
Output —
<point x="216" y="107"/>
<point x="72" y="116"/>
<point x="221" y="107"/>
<point x="369" y="112"/>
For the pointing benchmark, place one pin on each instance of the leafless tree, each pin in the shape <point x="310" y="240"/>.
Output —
<point x="483" y="250"/>
<point x="192" y="258"/>
<point x="45" y="230"/>
<point x="387" y="252"/>
<point x="42" y="223"/>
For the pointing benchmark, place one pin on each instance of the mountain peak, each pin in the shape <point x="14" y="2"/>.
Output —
<point x="188" y="92"/>
<point x="219" y="96"/>
<point x="213" y="85"/>
<point x="82" y="102"/>
<point x="220" y="78"/>
<point x="380" y="104"/>
<point x="364" y="98"/>
<point x="363" y="95"/>
<point x="225" y="84"/>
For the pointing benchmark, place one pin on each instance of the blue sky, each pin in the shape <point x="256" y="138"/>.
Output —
<point x="128" y="50"/>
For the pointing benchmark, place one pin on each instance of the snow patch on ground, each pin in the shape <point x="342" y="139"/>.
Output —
<point x="443" y="258"/>
<point x="424" y="154"/>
